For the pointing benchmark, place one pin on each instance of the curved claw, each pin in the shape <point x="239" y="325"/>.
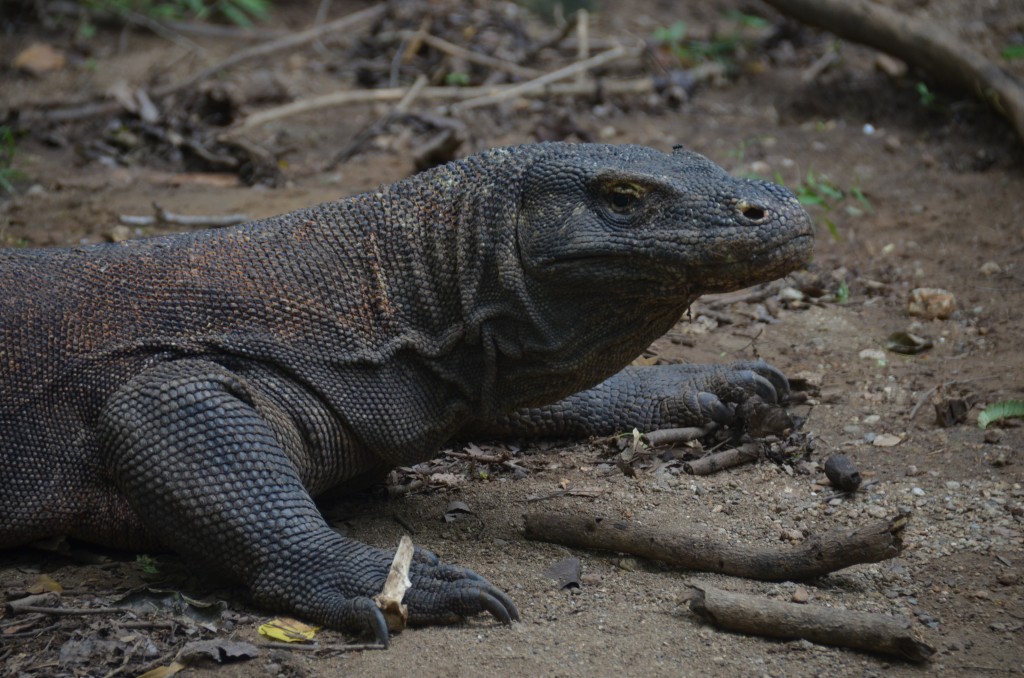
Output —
<point x="510" y="608"/>
<point x="378" y="626"/>
<point x="497" y="608"/>
<point x="714" y="409"/>
<point x="769" y="372"/>
<point x="447" y="594"/>
<point x="753" y="381"/>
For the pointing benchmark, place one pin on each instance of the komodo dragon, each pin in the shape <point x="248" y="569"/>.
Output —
<point x="194" y="391"/>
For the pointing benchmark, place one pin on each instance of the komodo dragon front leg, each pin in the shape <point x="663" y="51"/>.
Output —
<point x="199" y="455"/>
<point x="648" y="398"/>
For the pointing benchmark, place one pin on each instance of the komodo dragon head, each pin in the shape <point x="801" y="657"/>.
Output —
<point x="669" y="226"/>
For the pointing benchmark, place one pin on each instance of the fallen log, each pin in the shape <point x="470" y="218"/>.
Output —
<point x="817" y="556"/>
<point x="756" y="615"/>
<point x="920" y="43"/>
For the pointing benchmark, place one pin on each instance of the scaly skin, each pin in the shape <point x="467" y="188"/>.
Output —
<point x="195" y="391"/>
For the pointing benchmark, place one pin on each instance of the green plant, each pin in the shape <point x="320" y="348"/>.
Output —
<point x="8" y="174"/>
<point x="1013" y="52"/>
<point x="674" y="39"/>
<point x="146" y="564"/>
<point x="239" y="12"/>
<point x="816" y="190"/>
<point x="926" y="97"/>
<point x="457" y="79"/>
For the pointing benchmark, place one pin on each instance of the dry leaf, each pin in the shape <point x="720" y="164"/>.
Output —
<point x="39" y="58"/>
<point x="288" y="630"/>
<point x="44" y="584"/>
<point x="886" y="440"/>
<point x="163" y="671"/>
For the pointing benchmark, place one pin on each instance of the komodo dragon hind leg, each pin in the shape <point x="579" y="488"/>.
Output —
<point x="648" y="398"/>
<point x="189" y="449"/>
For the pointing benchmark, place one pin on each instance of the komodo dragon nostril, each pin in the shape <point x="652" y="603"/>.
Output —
<point x="750" y="211"/>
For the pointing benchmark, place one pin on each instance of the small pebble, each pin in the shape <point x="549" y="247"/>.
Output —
<point x="931" y="303"/>
<point x="800" y="595"/>
<point x="1008" y="578"/>
<point x="917" y="492"/>
<point x="993" y="436"/>
<point x="990" y="268"/>
<point x="913" y="471"/>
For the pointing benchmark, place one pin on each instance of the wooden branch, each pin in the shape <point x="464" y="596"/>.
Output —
<point x="281" y="44"/>
<point x="163" y="217"/>
<point x="375" y="128"/>
<point x="290" y="41"/>
<point x="719" y="461"/>
<point x="817" y="556"/>
<point x="458" y="51"/>
<point x="673" y="436"/>
<point x="362" y="96"/>
<point x="539" y="83"/>
<point x="920" y="43"/>
<point x="760" y="616"/>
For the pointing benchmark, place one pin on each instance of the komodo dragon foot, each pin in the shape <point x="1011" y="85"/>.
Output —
<point x="649" y="398"/>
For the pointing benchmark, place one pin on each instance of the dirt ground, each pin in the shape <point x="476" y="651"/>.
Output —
<point x="943" y="191"/>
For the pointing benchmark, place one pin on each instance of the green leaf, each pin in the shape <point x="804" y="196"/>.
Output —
<point x="234" y="15"/>
<point x="259" y="9"/>
<point x="832" y="229"/>
<point x="1013" y="52"/>
<point x="1004" y="409"/>
<point x="843" y="293"/>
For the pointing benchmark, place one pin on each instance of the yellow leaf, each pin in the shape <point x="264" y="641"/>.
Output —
<point x="163" y="671"/>
<point x="288" y="630"/>
<point x="45" y="584"/>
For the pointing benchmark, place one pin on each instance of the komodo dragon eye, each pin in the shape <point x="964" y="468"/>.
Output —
<point x="623" y="197"/>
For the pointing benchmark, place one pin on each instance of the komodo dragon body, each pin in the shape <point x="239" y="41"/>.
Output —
<point x="194" y="391"/>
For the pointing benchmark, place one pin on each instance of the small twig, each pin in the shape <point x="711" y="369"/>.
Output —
<point x="66" y="611"/>
<point x="536" y="84"/>
<point x="279" y="45"/>
<point x="582" y="41"/>
<point x="321" y="12"/>
<point x="349" y="97"/>
<point x="563" y="32"/>
<point x="163" y="217"/>
<point x="163" y="30"/>
<point x="379" y="125"/>
<point x="757" y="615"/>
<point x="457" y="51"/>
<point x="719" y="461"/>
<point x="35" y="600"/>
<point x="759" y="293"/>
<point x="482" y="458"/>
<point x="673" y="436"/>
<point x="318" y="647"/>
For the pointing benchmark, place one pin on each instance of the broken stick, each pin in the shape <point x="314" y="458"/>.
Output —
<point x="719" y="461"/>
<point x="817" y="556"/>
<point x="760" y="616"/>
<point x="920" y="43"/>
<point x="162" y="217"/>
